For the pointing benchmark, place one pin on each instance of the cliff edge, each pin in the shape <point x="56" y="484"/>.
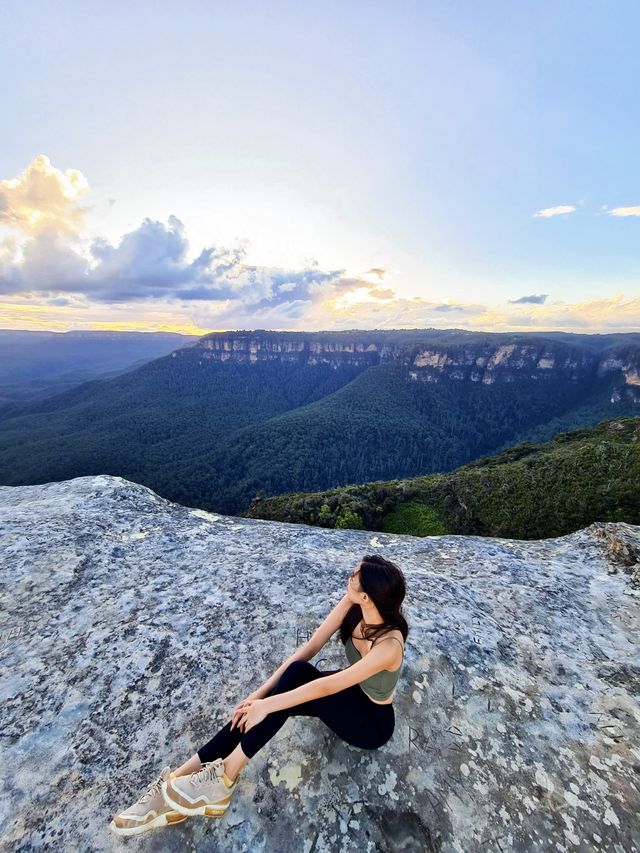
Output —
<point x="132" y="625"/>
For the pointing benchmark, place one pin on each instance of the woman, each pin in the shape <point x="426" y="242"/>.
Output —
<point x="355" y="702"/>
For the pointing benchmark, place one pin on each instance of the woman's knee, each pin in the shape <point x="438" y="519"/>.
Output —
<point x="298" y="672"/>
<point x="299" y="666"/>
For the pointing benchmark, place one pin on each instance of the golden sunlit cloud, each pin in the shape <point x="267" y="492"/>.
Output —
<point x="555" y="211"/>
<point x="366" y="293"/>
<point x="625" y="211"/>
<point x="43" y="197"/>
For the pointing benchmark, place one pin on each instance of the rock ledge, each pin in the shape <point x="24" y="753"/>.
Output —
<point x="131" y="626"/>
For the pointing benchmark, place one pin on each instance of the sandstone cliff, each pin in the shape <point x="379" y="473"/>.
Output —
<point x="433" y="356"/>
<point x="132" y="625"/>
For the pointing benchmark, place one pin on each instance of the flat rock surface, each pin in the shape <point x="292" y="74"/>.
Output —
<point x="131" y="626"/>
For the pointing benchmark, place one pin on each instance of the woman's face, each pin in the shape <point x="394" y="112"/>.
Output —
<point x="354" y="590"/>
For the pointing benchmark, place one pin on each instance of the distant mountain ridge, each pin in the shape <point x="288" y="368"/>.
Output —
<point x="35" y="364"/>
<point x="247" y="413"/>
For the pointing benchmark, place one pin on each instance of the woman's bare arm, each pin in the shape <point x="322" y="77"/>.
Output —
<point x="270" y="683"/>
<point x="381" y="656"/>
<point x="311" y="648"/>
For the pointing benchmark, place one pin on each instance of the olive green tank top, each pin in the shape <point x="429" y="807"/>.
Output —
<point x="380" y="685"/>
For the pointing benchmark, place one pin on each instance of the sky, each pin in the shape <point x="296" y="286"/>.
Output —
<point x="200" y="166"/>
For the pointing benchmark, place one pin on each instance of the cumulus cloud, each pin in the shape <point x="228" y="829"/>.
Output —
<point x="625" y="211"/>
<point x="150" y="263"/>
<point x="43" y="197"/>
<point x="47" y="256"/>
<point x="147" y="264"/>
<point x="555" y="211"/>
<point x="536" y="299"/>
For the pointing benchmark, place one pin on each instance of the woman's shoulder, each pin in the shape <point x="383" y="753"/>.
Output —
<point x="396" y="633"/>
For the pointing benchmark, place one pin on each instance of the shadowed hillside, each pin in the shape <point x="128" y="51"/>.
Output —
<point x="528" y="491"/>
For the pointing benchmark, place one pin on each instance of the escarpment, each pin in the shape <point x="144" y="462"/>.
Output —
<point x="430" y="355"/>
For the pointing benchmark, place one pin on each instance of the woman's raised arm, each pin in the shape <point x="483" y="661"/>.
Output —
<point x="313" y="645"/>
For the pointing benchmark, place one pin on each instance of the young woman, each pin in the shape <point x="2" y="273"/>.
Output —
<point x="355" y="702"/>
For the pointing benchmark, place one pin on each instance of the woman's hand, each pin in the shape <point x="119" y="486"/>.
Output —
<point x="240" y="707"/>
<point x="252" y="713"/>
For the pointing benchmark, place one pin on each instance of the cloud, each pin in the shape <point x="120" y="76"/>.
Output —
<point x="378" y="271"/>
<point x="610" y="314"/>
<point x="447" y="307"/>
<point x="52" y="276"/>
<point x="43" y="197"/>
<point x="151" y="263"/>
<point x="625" y="211"/>
<point x="555" y="211"/>
<point x="47" y="255"/>
<point x="606" y="315"/>
<point x="539" y="299"/>
<point x="382" y="293"/>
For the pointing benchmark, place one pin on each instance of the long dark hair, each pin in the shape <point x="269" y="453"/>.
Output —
<point x="385" y="585"/>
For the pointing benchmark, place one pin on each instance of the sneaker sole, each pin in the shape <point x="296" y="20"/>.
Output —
<point x="162" y="820"/>
<point x="205" y="810"/>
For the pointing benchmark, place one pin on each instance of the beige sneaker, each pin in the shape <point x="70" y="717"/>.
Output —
<point x="202" y="792"/>
<point x="149" y="812"/>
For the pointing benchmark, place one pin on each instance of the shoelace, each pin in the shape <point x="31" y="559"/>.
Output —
<point x="210" y="771"/>
<point x="152" y="790"/>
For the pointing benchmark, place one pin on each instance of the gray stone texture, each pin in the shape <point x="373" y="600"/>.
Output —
<point x="131" y="626"/>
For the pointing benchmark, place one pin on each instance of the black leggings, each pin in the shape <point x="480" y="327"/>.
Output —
<point x="349" y="713"/>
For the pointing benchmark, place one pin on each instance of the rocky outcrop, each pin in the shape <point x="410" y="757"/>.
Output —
<point x="537" y="360"/>
<point x="623" y="554"/>
<point x="504" y="361"/>
<point x="429" y="357"/>
<point x="250" y="348"/>
<point x="131" y="626"/>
